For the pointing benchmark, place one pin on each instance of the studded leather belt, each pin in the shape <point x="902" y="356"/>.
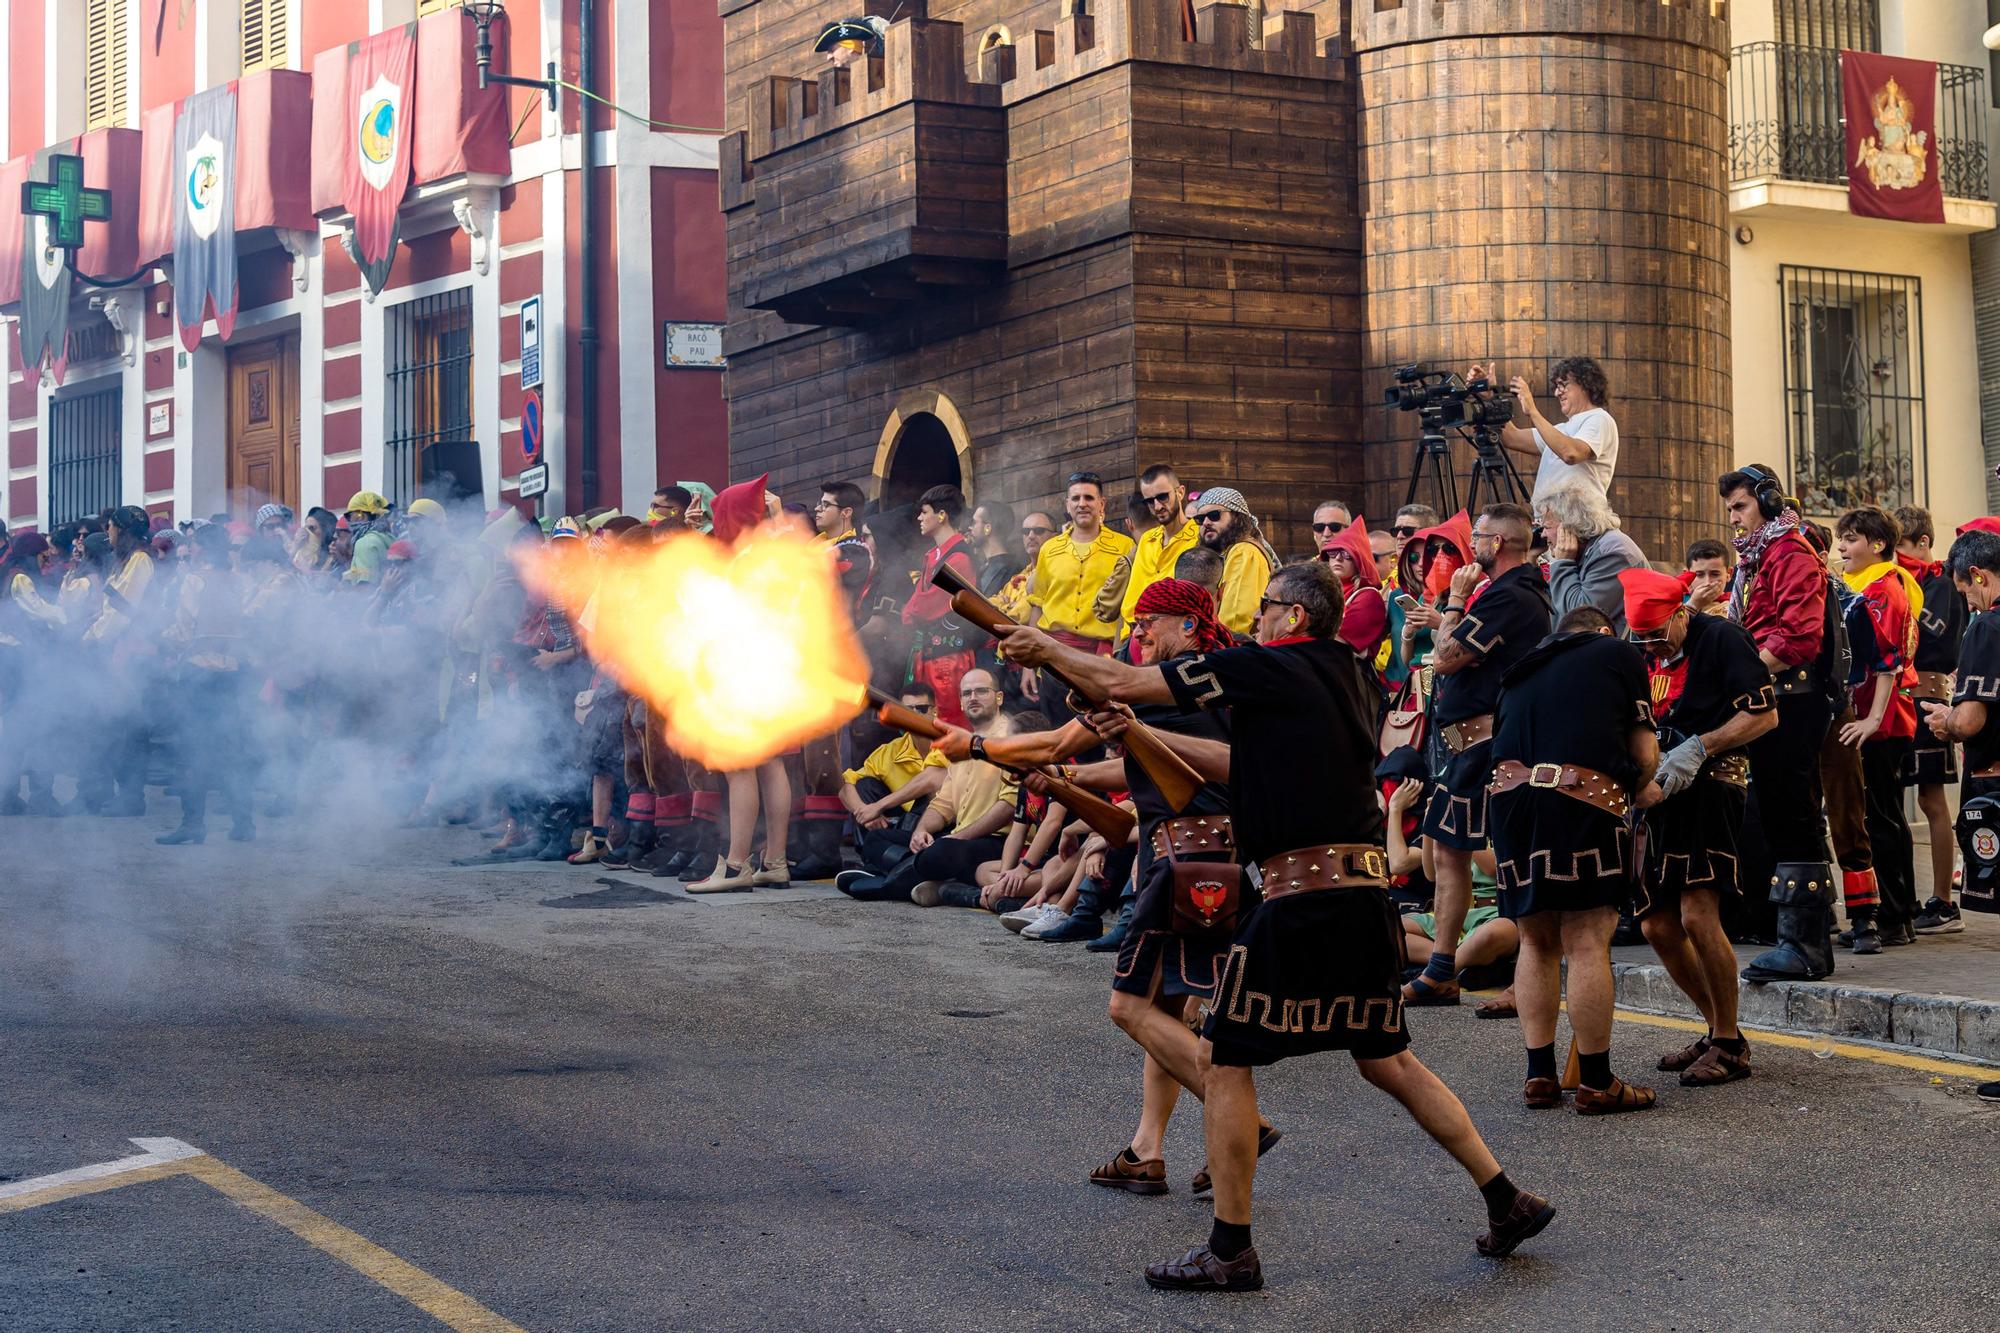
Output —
<point x="1990" y="771"/>
<point x="1195" y="838"/>
<point x="1732" y="767"/>
<point x="1572" y="780"/>
<point x="1934" y="685"/>
<point x="1463" y="735"/>
<point x="1342" y="865"/>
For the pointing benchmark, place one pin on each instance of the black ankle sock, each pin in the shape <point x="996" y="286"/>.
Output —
<point x="1500" y="1195"/>
<point x="1226" y="1240"/>
<point x="1128" y="1157"/>
<point x="1735" y="1045"/>
<point x="1542" y="1061"/>
<point x="599" y="832"/>
<point x="1596" y="1069"/>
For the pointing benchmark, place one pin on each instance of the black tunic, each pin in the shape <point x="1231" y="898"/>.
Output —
<point x="1979" y="682"/>
<point x="1191" y="961"/>
<point x="1575" y="699"/>
<point x="1504" y="622"/>
<point x="1931" y="761"/>
<point x="1320" y="970"/>
<point x="1691" y="840"/>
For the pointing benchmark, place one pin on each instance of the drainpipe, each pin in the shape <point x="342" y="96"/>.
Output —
<point x="586" y="337"/>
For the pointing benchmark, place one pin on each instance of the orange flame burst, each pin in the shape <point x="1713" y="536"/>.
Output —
<point x="745" y="651"/>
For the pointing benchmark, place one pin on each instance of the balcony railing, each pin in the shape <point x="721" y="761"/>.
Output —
<point x="1785" y="118"/>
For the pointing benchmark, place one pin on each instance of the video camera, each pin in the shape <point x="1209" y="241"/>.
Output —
<point x="1444" y="399"/>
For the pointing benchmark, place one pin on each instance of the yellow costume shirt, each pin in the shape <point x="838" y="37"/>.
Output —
<point x="1245" y="575"/>
<point x="1069" y="575"/>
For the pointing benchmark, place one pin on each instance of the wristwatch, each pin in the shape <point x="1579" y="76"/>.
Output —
<point x="978" y="746"/>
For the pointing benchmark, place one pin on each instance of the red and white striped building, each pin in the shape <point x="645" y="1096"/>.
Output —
<point x="321" y="387"/>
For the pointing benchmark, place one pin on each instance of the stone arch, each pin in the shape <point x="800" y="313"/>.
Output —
<point x="924" y="443"/>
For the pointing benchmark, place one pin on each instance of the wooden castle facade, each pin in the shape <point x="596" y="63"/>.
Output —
<point x="1066" y="234"/>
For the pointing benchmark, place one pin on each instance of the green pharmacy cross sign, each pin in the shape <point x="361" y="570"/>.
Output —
<point x="65" y="201"/>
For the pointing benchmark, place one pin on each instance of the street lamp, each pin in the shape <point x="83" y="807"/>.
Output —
<point x="482" y="13"/>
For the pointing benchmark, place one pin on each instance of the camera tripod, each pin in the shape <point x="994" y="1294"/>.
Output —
<point x="1493" y="472"/>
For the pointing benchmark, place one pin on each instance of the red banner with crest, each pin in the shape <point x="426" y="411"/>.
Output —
<point x="1892" y="149"/>
<point x="381" y="102"/>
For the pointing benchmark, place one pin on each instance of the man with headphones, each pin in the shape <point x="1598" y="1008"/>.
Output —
<point x="1778" y="595"/>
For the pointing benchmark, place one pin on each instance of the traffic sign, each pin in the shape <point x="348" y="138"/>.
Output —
<point x="534" y="481"/>
<point x="531" y="343"/>
<point x="531" y="426"/>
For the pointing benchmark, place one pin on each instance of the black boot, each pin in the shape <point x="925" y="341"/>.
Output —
<point x="557" y="830"/>
<point x="671" y="850"/>
<point x="707" y="850"/>
<point x="638" y="843"/>
<point x="1804" y="893"/>
<point x="818" y="841"/>
<point x="186" y="833"/>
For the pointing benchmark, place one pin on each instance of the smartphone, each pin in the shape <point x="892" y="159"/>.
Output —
<point x="1407" y="602"/>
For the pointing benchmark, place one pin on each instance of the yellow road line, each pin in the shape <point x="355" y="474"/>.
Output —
<point x="1927" y="1064"/>
<point x="72" y="1188"/>
<point x="445" y="1304"/>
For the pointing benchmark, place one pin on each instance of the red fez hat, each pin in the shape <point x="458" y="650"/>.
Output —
<point x="1650" y="598"/>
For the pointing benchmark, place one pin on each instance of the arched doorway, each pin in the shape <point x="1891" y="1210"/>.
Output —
<point x="923" y="444"/>
<point x="923" y="458"/>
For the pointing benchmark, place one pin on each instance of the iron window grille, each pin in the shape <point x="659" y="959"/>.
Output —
<point x="1854" y="388"/>
<point x="86" y="455"/>
<point x="429" y="359"/>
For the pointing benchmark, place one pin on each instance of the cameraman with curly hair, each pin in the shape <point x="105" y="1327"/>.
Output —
<point x="1584" y="445"/>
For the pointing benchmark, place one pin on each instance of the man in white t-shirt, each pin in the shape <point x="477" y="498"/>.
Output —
<point x="1584" y="446"/>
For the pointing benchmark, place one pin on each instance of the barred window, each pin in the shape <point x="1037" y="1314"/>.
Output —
<point x="429" y="357"/>
<point x="1854" y="388"/>
<point x="434" y="6"/>
<point x="103" y="64"/>
<point x="266" y="34"/>
<point x="86" y="466"/>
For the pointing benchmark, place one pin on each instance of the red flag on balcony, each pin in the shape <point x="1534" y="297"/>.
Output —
<point x="381" y="81"/>
<point x="1892" y="150"/>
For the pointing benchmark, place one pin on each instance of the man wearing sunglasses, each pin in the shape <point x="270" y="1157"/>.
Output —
<point x="1496" y="611"/>
<point x="1163" y="543"/>
<point x="1231" y="530"/>
<point x="1070" y="571"/>
<point x="1330" y="519"/>
<point x="1036" y="529"/>
<point x="1313" y="966"/>
<point x="1712" y="695"/>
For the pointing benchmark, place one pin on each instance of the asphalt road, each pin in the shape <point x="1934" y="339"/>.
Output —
<point x="785" y="1110"/>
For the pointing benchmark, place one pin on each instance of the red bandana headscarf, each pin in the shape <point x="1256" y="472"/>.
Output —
<point x="1651" y="598"/>
<point x="1179" y="597"/>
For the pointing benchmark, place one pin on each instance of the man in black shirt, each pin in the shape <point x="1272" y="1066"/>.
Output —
<point x="1572" y="740"/>
<point x="1159" y="968"/>
<point x="1975" y="568"/>
<point x="1497" y="609"/>
<point x="1712" y="695"/>
<point x="1314" y="967"/>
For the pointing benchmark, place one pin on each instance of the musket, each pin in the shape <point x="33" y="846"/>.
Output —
<point x="1177" y="781"/>
<point x="1113" y="822"/>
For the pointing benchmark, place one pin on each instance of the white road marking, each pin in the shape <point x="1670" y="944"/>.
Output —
<point x="156" y="1152"/>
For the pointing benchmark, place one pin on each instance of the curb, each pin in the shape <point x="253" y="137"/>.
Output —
<point x="1942" y="1024"/>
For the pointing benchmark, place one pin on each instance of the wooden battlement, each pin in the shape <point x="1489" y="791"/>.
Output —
<point x="1380" y="23"/>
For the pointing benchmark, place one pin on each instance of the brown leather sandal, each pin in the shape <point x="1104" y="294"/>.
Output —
<point x="1500" y="1006"/>
<point x="1614" y="1100"/>
<point x="1124" y="1172"/>
<point x="1267" y="1139"/>
<point x="1717" y="1065"/>
<point x="1542" y="1094"/>
<point x="1684" y="1057"/>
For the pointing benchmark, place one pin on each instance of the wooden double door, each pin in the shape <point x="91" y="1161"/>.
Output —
<point x="264" y="426"/>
